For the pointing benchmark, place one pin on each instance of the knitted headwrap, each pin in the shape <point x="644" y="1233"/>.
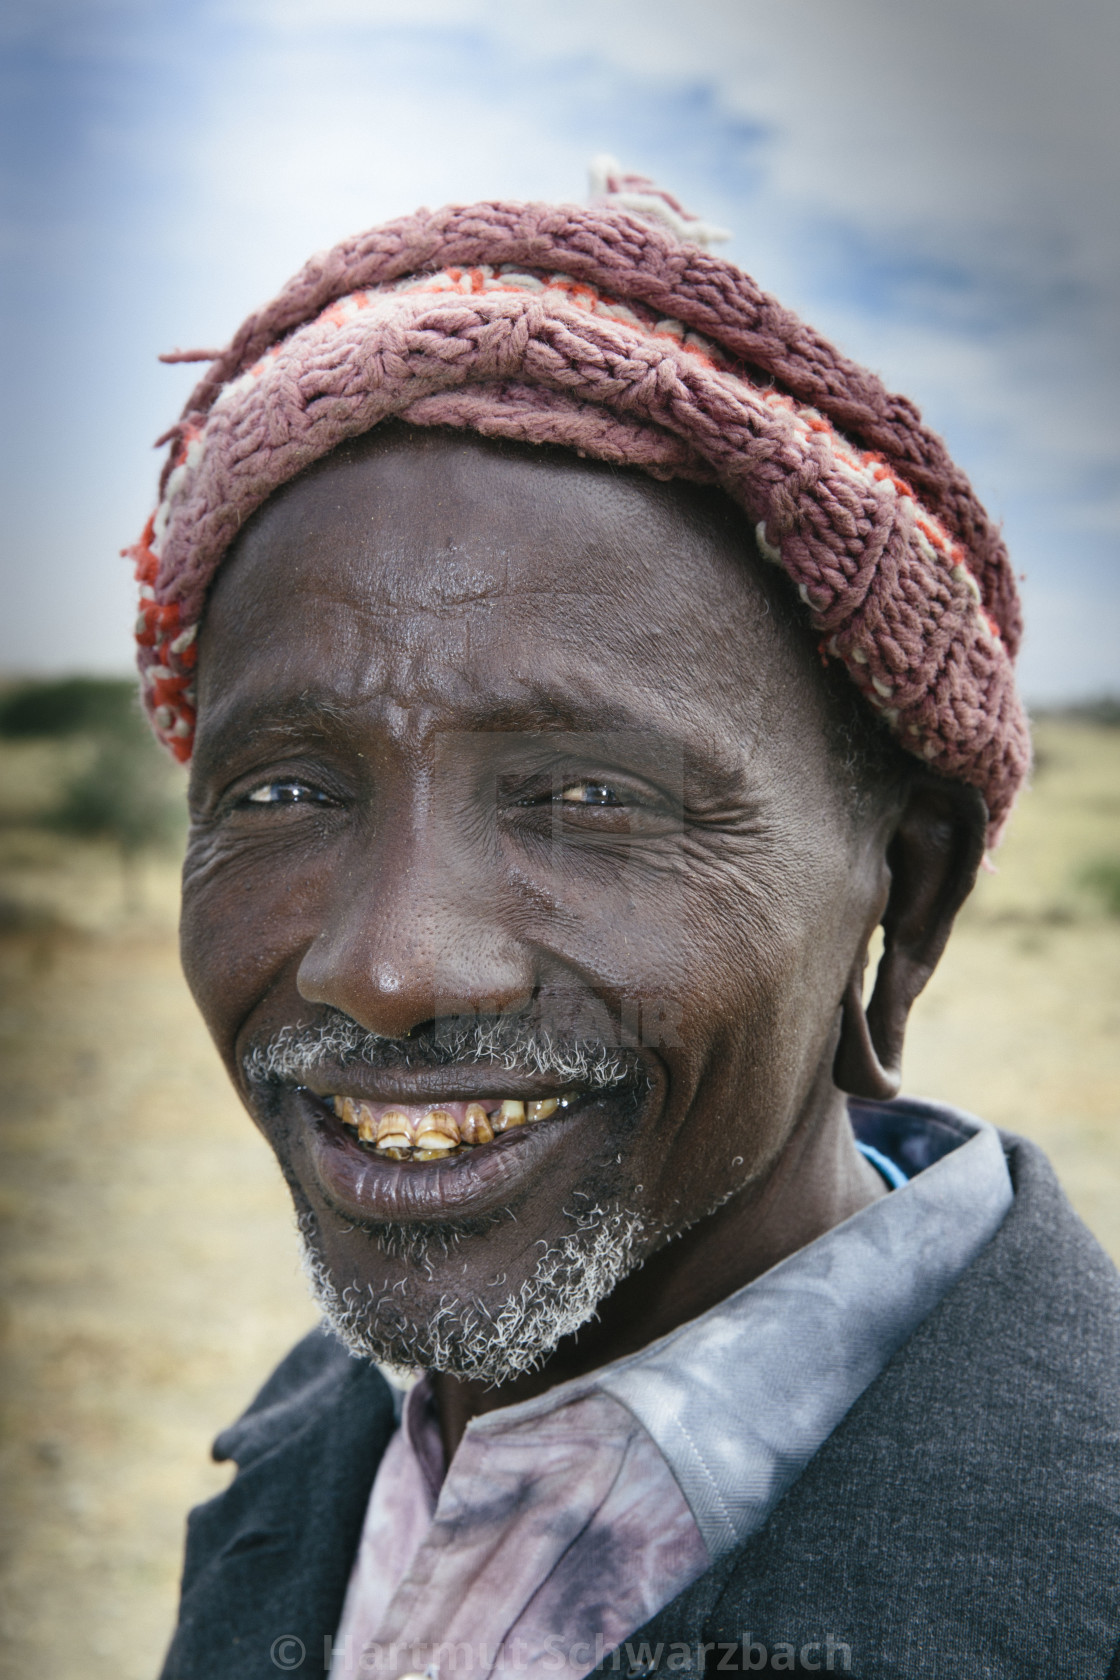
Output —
<point x="613" y="331"/>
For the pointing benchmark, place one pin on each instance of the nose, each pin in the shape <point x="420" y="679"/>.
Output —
<point x="412" y="931"/>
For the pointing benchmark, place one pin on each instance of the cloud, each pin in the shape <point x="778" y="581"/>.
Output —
<point x="925" y="184"/>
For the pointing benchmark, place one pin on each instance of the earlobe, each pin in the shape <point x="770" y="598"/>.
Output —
<point x="933" y="858"/>
<point x="857" y="1068"/>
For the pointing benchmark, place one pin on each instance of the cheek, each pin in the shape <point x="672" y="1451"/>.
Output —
<point x="248" y="914"/>
<point x="705" y="956"/>
<point x="730" y="976"/>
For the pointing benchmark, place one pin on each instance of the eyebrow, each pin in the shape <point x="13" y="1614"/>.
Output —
<point x="322" y="714"/>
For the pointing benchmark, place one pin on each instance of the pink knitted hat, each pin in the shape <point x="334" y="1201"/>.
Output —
<point x="613" y="331"/>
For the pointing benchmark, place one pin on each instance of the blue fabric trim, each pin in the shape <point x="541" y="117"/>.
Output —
<point x="893" y="1174"/>
<point x="910" y="1131"/>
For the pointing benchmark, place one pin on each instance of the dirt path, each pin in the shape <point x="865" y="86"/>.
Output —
<point x="151" y="1282"/>
<point x="149" y="1264"/>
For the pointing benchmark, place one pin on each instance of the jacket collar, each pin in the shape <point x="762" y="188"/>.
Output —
<point x="268" y="1560"/>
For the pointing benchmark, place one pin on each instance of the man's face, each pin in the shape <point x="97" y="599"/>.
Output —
<point x="511" y="785"/>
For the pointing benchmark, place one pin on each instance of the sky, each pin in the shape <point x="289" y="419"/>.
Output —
<point x="933" y="186"/>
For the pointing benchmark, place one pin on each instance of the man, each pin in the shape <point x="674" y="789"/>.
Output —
<point x="591" y="661"/>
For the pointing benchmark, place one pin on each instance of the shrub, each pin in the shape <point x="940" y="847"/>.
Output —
<point x="116" y="797"/>
<point x="71" y="706"/>
<point x="1102" y="878"/>
<point x="127" y="790"/>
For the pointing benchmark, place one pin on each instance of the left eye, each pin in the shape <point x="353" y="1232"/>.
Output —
<point x="285" y="793"/>
<point x="590" y="793"/>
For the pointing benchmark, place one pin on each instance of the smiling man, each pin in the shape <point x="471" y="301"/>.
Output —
<point x="579" y="661"/>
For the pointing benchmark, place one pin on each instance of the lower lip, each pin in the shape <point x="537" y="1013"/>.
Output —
<point x="367" y="1187"/>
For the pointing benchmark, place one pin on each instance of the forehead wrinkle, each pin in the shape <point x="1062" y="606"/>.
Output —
<point x="376" y="594"/>
<point x="426" y="652"/>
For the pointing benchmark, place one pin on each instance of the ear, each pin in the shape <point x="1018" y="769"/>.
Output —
<point x="933" y="856"/>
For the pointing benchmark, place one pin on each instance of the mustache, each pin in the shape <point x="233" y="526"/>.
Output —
<point x="508" y="1044"/>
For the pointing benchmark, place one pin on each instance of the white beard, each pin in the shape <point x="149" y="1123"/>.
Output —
<point x="469" y="1338"/>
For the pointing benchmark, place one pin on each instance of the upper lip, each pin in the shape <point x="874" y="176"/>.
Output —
<point x="435" y="1085"/>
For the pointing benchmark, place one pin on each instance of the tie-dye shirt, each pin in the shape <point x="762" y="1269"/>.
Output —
<point x="565" y="1522"/>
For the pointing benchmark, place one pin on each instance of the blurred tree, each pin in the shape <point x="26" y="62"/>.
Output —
<point x="1102" y="878"/>
<point x="126" y="791"/>
<point x="71" y="706"/>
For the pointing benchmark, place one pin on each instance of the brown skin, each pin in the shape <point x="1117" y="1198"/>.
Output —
<point x="434" y="636"/>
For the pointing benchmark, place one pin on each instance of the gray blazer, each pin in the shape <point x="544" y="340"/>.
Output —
<point x="963" y="1521"/>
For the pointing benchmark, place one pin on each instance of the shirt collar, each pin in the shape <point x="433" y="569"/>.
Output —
<point x="739" y="1399"/>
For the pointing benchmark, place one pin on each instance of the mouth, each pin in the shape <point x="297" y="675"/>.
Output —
<point x="418" y="1132"/>
<point x="450" y="1157"/>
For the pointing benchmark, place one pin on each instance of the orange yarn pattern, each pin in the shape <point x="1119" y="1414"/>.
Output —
<point x="910" y="589"/>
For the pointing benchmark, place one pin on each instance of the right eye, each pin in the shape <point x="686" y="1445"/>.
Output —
<point x="285" y="793"/>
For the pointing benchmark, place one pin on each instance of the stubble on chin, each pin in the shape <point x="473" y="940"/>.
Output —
<point x="488" y="1334"/>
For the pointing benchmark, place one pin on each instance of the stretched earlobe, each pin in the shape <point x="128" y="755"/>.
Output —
<point x="932" y="857"/>
<point x="857" y="1068"/>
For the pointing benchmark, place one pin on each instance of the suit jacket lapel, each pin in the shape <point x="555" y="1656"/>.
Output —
<point x="962" y="1518"/>
<point x="268" y="1560"/>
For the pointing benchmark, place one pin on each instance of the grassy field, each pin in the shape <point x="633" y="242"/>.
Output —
<point x="149" y="1266"/>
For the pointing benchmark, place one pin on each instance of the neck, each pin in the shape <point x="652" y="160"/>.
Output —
<point x="818" y="1180"/>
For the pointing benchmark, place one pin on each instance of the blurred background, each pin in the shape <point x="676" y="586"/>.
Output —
<point x="934" y="187"/>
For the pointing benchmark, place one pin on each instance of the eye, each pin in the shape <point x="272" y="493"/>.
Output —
<point x="591" y="793"/>
<point x="285" y="793"/>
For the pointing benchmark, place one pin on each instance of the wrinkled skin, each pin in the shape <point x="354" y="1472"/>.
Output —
<point x="435" y="636"/>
